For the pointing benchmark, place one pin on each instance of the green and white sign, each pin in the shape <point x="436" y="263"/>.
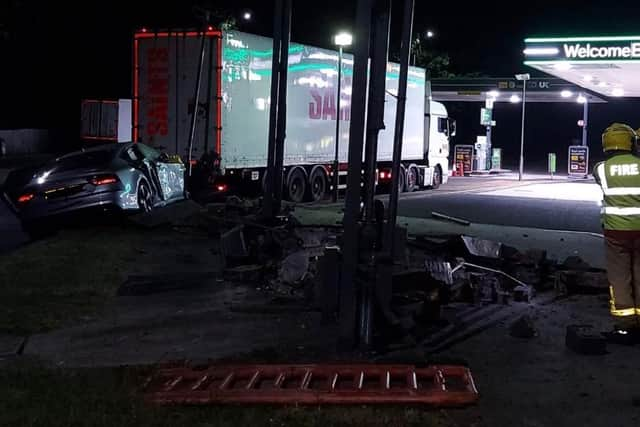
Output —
<point x="552" y="163"/>
<point x="486" y="116"/>
<point x="496" y="158"/>
<point x="583" y="48"/>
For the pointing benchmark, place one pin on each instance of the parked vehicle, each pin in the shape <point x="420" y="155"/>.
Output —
<point x="126" y="177"/>
<point x="232" y="113"/>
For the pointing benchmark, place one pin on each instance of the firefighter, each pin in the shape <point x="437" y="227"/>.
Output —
<point x="619" y="178"/>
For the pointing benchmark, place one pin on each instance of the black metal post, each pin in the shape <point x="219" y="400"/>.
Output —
<point x="273" y="110"/>
<point x="282" y="106"/>
<point x="196" y="101"/>
<point x="375" y="111"/>
<point x="336" y="159"/>
<point x="352" y="199"/>
<point x="585" y="120"/>
<point x="405" y="50"/>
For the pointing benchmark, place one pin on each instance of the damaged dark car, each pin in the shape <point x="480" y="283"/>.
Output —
<point x="121" y="177"/>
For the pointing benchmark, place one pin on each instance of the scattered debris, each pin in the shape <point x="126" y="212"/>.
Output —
<point x="575" y="263"/>
<point x="581" y="282"/>
<point x="441" y="216"/>
<point x="492" y="270"/>
<point x="294" y="267"/>
<point x="440" y="270"/>
<point x="533" y="257"/>
<point x="242" y="206"/>
<point x="482" y="247"/>
<point x="584" y="340"/>
<point x="523" y="293"/>
<point x="302" y="263"/>
<point x="523" y="328"/>
<point x="232" y="243"/>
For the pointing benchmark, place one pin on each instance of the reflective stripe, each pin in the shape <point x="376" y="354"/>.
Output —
<point x="620" y="312"/>
<point x="602" y="176"/>
<point x="637" y="311"/>
<point x="621" y="191"/>
<point x="624" y="312"/>
<point x="612" y="300"/>
<point x="611" y="210"/>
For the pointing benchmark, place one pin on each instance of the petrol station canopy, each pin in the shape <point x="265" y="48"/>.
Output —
<point x="608" y="66"/>
<point x="509" y="89"/>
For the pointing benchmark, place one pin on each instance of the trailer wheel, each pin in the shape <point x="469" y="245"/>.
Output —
<point x="412" y="178"/>
<point x="402" y="180"/>
<point x="296" y="186"/>
<point x="317" y="189"/>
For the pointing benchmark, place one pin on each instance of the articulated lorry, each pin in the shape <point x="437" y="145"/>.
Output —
<point x="233" y="112"/>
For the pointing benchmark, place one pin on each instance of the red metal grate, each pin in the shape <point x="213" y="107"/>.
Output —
<point x="312" y="384"/>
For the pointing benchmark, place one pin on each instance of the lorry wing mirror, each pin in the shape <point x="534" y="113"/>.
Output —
<point x="452" y="126"/>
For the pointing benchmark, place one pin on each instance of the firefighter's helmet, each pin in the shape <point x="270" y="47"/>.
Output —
<point x="618" y="137"/>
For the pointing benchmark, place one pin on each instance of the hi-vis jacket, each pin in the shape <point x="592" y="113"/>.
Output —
<point x="619" y="178"/>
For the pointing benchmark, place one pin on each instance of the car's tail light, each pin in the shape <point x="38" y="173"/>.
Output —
<point x="26" y="197"/>
<point x="104" y="180"/>
<point x="385" y="175"/>
<point x="221" y="187"/>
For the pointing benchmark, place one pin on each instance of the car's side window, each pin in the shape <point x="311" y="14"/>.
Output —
<point x="148" y="152"/>
<point x="130" y="155"/>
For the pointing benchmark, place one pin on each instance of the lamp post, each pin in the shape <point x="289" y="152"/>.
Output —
<point x="524" y="78"/>
<point x="341" y="40"/>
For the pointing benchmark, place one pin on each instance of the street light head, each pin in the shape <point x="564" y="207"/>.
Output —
<point x="514" y="99"/>
<point x="430" y="34"/>
<point x="566" y="94"/>
<point x="247" y="16"/>
<point x="523" y="77"/>
<point x="581" y="99"/>
<point x="343" y="39"/>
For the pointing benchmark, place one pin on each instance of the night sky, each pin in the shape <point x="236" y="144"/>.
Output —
<point x="55" y="53"/>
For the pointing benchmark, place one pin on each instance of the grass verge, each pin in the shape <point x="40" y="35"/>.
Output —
<point x="63" y="279"/>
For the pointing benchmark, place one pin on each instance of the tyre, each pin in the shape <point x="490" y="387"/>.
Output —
<point x="437" y="177"/>
<point x="412" y="178"/>
<point x="296" y="186"/>
<point x="317" y="189"/>
<point x="145" y="197"/>
<point x="402" y="181"/>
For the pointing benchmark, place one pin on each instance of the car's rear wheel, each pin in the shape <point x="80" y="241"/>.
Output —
<point x="145" y="197"/>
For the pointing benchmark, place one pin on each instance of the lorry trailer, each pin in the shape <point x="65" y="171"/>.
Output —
<point x="232" y="112"/>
